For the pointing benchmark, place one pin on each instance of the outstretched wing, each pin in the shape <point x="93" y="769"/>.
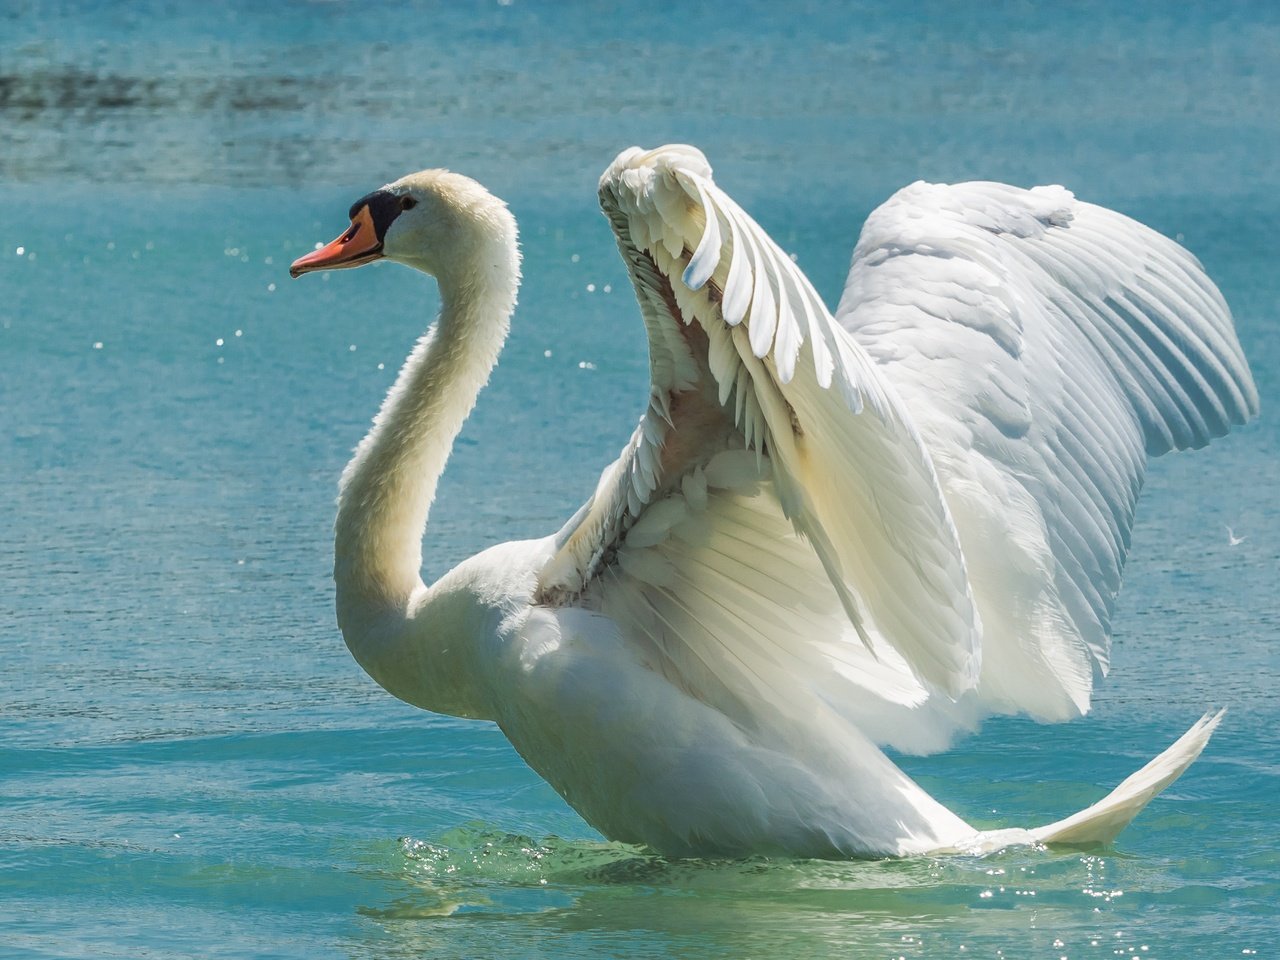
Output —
<point x="775" y="525"/>
<point x="1045" y="348"/>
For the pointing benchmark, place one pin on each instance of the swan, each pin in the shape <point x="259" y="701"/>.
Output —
<point x="828" y="534"/>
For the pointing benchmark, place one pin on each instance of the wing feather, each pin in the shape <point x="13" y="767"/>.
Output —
<point x="947" y="473"/>
<point x="837" y="452"/>
<point x="1045" y="347"/>
<point x="859" y="488"/>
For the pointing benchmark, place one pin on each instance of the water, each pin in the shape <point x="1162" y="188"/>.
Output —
<point x="190" y="762"/>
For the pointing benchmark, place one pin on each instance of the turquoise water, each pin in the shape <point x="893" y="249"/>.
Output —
<point x="190" y="762"/>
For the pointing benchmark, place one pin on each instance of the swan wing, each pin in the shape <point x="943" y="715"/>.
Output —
<point x="719" y="593"/>
<point x="1045" y="347"/>
<point x="775" y="519"/>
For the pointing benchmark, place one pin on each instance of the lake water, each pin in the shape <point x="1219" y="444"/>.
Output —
<point x="190" y="762"/>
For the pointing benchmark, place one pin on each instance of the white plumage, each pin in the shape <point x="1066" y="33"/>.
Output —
<point x="826" y="533"/>
<point x="1045" y="348"/>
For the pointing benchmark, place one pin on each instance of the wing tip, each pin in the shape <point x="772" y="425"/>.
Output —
<point x="673" y="159"/>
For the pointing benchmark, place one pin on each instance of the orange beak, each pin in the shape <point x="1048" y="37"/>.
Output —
<point x="359" y="245"/>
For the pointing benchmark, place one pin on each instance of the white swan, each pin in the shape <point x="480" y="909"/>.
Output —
<point x="825" y="534"/>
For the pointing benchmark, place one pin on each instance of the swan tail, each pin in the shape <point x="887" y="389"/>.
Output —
<point x="1102" y="822"/>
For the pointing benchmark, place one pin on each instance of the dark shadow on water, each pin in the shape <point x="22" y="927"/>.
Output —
<point x="32" y="95"/>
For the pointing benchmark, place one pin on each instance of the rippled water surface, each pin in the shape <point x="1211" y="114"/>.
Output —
<point x="190" y="762"/>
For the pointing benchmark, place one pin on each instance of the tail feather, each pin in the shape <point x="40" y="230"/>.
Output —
<point x="1101" y="822"/>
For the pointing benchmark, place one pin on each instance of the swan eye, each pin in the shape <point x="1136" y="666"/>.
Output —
<point x="407" y="203"/>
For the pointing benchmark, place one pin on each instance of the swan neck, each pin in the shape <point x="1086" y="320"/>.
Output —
<point x="387" y="489"/>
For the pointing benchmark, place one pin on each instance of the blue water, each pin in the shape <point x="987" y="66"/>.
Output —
<point x="190" y="762"/>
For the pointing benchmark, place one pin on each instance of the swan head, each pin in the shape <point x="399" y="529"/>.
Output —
<point x="434" y="220"/>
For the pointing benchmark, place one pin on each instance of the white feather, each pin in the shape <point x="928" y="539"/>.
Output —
<point x="1044" y="347"/>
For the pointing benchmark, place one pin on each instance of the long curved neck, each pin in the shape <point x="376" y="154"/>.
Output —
<point x="388" y="486"/>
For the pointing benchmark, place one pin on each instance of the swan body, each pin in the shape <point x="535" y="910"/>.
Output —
<point x="828" y="533"/>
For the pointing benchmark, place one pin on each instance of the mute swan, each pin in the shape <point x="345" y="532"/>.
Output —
<point x="827" y="534"/>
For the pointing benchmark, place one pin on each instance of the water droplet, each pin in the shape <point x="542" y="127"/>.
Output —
<point x="352" y="348"/>
<point x="111" y="244"/>
<point x="271" y="288"/>
<point x="546" y="353"/>
<point x="218" y="342"/>
<point x="575" y="258"/>
<point x="382" y="366"/>
<point x="239" y="333"/>
<point x="20" y="251"/>
<point x="97" y="344"/>
<point x="608" y="288"/>
<point x="591" y="288"/>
